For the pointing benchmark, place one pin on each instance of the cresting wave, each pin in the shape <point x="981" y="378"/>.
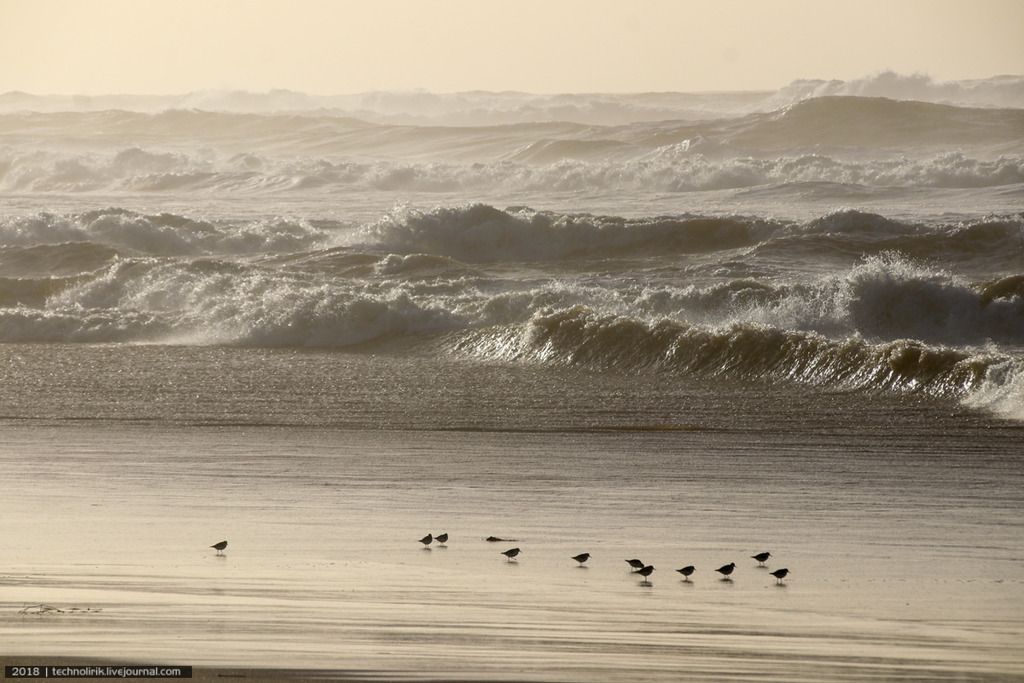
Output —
<point x="482" y="233"/>
<point x="580" y="337"/>
<point x="885" y="297"/>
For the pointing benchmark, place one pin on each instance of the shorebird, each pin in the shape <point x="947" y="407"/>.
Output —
<point x="581" y="558"/>
<point x="780" y="574"/>
<point x="635" y="564"/>
<point x="442" y="538"/>
<point x="726" y="570"/>
<point x="645" y="572"/>
<point x="686" y="571"/>
<point x="219" y="547"/>
<point x="427" y="540"/>
<point x="510" y="553"/>
<point x="761" y="558"/>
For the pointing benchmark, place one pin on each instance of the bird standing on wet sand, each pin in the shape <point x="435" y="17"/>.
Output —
<point x="581" y="558"/>
<point x="635" y="564"/>
<point x="441" y="538"/>
<point x="780" y="574"/>
<point x="686" y="572"/>
<point x="726" y="570"/>
<point x="427" y="540"/>
<point x="761" y="558"/>
<point x="510" y="553"/>
<point x="645" y="572"/>
<point x="219" y="547"/>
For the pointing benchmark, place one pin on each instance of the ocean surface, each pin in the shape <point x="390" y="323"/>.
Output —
<point x="685" y="328"/>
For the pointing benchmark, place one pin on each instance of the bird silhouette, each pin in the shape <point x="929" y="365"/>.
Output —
<point x="510" y="553"/>
<point x="219" y="547"/>
<point x="686" y="572"/>
<point x="635" y="564"/>
<point x="427" y="540"/>
<point x="780" y="574"/>
<point x="442" y="538"/>
<point x="581" y="558"/>
<point x="761" y="558"/>
<point x="645" y="572"/>
<point x="726" y="570"/>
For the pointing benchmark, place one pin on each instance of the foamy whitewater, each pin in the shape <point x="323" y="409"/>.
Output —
<point x="821" y="272"/>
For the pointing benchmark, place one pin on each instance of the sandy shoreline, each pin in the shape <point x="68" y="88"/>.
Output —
<point x="903" y="568"/>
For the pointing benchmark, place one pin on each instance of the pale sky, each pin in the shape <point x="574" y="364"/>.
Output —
<point x="334" y="47"/>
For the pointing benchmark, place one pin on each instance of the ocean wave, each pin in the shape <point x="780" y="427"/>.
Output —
<point x="999" y="91"/>
<point x="164" y="234"/>
<point x="885" y="297"/>
<point x="882" y="299"/>
<point x="482" y="233"/>
<point x="581" y="337"/>
<point x="25" y="291"/>
<point x="997" y="241"/>
<point x="569" y="166"/>
<point x="54" y="260"/>
<point x="22" y="324"/>
<point x="873" y="123"/>
<point x="209" y="301"/>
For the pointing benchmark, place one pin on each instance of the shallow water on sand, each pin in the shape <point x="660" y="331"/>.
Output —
<point x="899" y="519"/>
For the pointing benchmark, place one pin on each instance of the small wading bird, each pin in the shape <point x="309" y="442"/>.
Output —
<point x="726" y="570"/>
<point x="219" y="547"/>
<point x="635" y="564"/>
<point x="780" y="574"/>
<point x="427" y="540"/>
<point x="686" y="572"/>
<point x="441" y="538"/>
<point x="645" y="572"/>
<point x="510" y="553"/>
<point x="761" y="558"/>
<point x="581" y="558"/>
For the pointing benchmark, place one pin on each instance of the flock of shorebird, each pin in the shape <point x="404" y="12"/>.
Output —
<point x="639" y="566"/>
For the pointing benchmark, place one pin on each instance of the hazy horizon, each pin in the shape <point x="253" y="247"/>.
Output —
<point x="914" y="77"/>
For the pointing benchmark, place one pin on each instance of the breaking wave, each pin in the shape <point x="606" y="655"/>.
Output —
<point x="212" y="302"/>
<point x="884" y="298"/>
<point x="482" y="233"/>
<point x="580" y="337"/>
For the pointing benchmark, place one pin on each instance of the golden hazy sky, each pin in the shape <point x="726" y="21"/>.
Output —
<point x="330" y="47"/>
